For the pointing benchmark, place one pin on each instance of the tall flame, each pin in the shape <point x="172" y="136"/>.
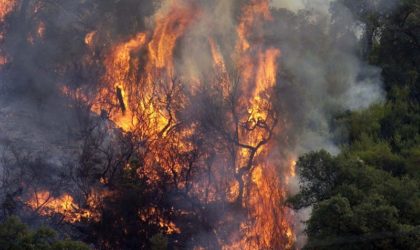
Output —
<point x="137" y="90"/>
<point x="170" y="26"/>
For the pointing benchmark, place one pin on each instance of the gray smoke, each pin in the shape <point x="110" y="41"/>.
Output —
<point x="321" y="73"/>
<point x="322" y="54"/>
<point x="321" y="69"/>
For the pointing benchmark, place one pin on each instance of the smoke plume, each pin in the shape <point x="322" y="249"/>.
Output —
<point x="75" y="68"/>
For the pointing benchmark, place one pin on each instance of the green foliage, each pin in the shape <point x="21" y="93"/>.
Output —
<point x="413" y="161"/>
<point x="14" y="235"/>
<point x="317" y="178"/>
<point x="363" y="204"/>
<point x="373" y="201"/>
<point x="339" y="213"/>
<point x="68" y="245"/>
<point x="365" y="123"/>
<point x="368" y="197"/>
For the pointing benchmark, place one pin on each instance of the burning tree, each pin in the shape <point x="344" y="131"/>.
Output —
<point x="208" y="141"/>
<point x="175" y="151"/>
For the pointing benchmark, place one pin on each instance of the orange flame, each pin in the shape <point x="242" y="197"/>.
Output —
<point x="89" y="38"/>
<point x="6" y="6"/>
<point x="170" y="25"/>
<point x="64" y="205"/>
<point x="48" y="205"/>
<point x="139" y="75"/>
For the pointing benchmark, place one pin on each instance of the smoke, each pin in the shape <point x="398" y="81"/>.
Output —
<point x="322" y="57"/>
<point x="321" y="73"/>
<point x="320" y="6"/>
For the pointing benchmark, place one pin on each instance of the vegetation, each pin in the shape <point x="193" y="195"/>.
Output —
<point x="368" y="196"/>
<point x="14" y="235"/>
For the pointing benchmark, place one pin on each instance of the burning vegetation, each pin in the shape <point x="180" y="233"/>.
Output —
<point x="214" y="167"/>
<point x="178" y="128"/>
<point x="143" y="96"/>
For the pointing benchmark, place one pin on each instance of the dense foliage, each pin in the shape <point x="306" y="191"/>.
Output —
<point x="14" y="235"/>
<point x="368" y="196"/>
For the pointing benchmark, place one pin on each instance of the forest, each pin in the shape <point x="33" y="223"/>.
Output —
<point x="209" y="124"/>
<point x="367" y="197"/>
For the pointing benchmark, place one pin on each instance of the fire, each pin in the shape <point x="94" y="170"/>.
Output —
<point x="168" y="226"/>
<point x="267" y="69"/>
<point x="41" y="30"/>
<point x="170" y="25"/>
<point x="3" y="60"/>
<point x="142" y="97"/>
<point x="89" y="38"/>
<point x="118" y="76"/>
<point x="264" y="187"/>
<point x="65" y="206"/>
<point x="253" y="13"/>
<point x="292" y="169"/>
<point x="47" y="205"/>
<point x="6" y="6"/>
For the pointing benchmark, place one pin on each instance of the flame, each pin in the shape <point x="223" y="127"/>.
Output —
<point x="171" y="24"/>
<point x="118" y="76"/>
<point x="253" y="13"/>
<point x="270" y="225"/>
<point x="41" y="30"/>
<point x="64" y="205"/>
<point x="267" y="70"/>
<point x="137" y="90"/>
<point x="292" y="169"/>
<point x="6" y="6"/>
<point x="47" y="205"/>
<point x="89" y="38"/>
<point x="3" y="60"/>
<point x="168" y="226"/>
<point x="219" y="62"/>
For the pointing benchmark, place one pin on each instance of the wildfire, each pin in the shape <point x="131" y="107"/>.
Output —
<point x="65" y="206"/>
<point x="118" y="75"/>
<point x="254" y="13"/>
<point x="41" y="30"/>
<point x="89" y="38"/>
<point x="265" y="188"/>
<point x="138" y="92"/>
<point x="47" y="205"/>
<point x="6" y="6"/>
<point x="170" y="25"/>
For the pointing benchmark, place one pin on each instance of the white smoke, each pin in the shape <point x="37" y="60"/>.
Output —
<point x="323" y="58"/>
<point x="321" y="6"/>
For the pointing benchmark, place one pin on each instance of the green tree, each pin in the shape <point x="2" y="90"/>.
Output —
<point x="364" y="207"/>
<point x="14" y="235"/>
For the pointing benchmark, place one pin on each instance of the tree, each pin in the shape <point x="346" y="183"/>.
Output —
<point x="14" y="235"/>
<point x="318" y="175"/>
<point x="365" y="207"/>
